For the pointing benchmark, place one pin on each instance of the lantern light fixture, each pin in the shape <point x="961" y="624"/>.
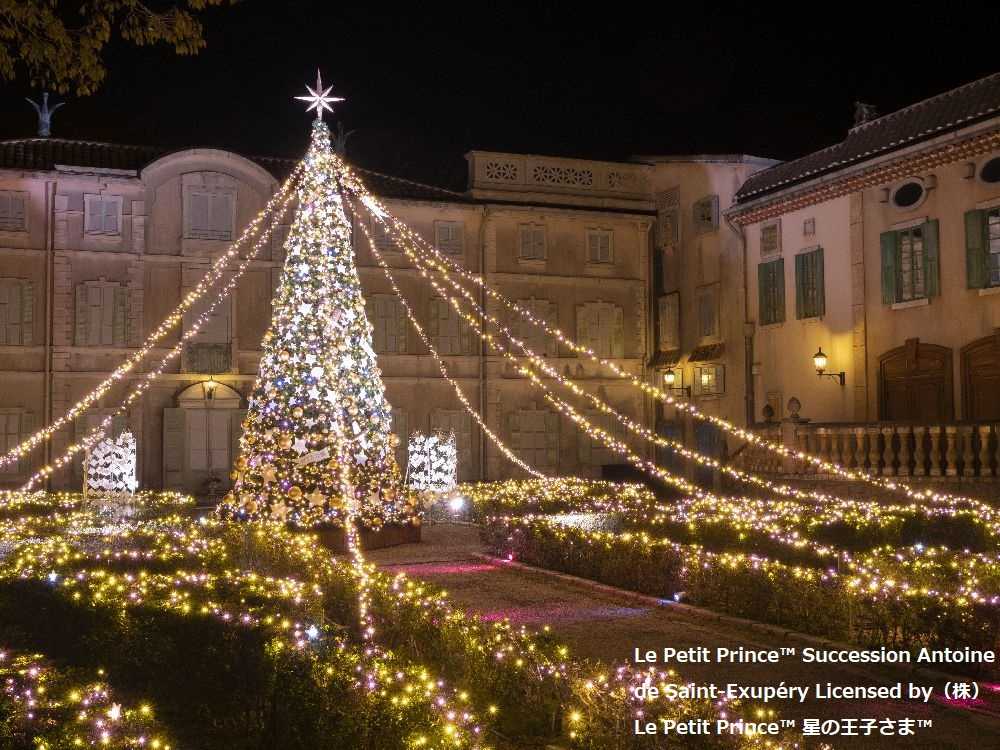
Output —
<point x="820" y="360"/>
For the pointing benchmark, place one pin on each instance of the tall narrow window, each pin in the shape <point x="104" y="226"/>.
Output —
<point x="209" y="215"/>
<point x="600" y="327"/>
<point x="708" y="312"/>
<point x="910" y="263"/>
<point x="531" y="242"/>
<point x="771" y="291"/>
<point x="102" y="314"/>
<point x="449" y="331"/>
<point x="102" y="214"/>
<point x="388" y="319"/>
<point x="535" y="337"/>
<point x="534" y="437"/>
<point x="993" y="245"/>
<point x="13" y="210"/>
<point x="669" y="329"/>
<point x="208" y="439"/>
<point x="810" y="296"/>
<point x="10" y="438"/>
<point x="17" y="302"/>
<point x="770" y="238"/>
<point x="705" y="214"/>
<point x="449" y="237"/>
<point x="600" y="246"/>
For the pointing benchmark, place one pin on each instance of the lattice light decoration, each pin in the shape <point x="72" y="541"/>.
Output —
<point x="110" y="468"/>
<point x="433" y="462"/>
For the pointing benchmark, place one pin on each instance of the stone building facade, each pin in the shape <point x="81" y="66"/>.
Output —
<point x="98" y="243"/>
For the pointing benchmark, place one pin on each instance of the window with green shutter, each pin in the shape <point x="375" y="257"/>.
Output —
<point x="910" y="263"/>
<point x="810" y="293"/>
<point x="771" y="291"/>
<point x="982" y="248"/>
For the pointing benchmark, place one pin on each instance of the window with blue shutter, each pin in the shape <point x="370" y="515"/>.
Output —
<point x="771" y="291"/>
<point x="810" y="295"/>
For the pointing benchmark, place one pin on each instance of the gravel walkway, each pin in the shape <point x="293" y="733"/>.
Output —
<point x="607" y="626"/>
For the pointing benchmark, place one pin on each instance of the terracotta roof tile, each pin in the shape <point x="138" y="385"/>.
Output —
<point x="949" y="111"/>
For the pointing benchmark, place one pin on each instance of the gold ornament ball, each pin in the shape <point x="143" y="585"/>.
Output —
<point x="234" y="475"/>
<point x="229" y="498"/>
<point x="284" y="355"/>
<point x="285" y="442"/>
<point x="297" y="412"/>
<point x="295" y="492"/>
<point x="241" y="463"/>
<point x="394" y="441"/>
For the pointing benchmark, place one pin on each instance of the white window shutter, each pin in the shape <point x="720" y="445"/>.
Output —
<point x="13" y="323"/>
<point x="198" y="222"/>
<point x="27" y="313"/>
<point x="94" y="218"/>
<point x="82" y="335"/>
<point x="526" y="242"/>
<point x="222" y="216"/>
<point x="174" y="439"/>
<point x="121" y="316"/>
<point x="111" y="208"/>
<point x="5" y="288"/>
<point x="219" y="440"/>
<point x="197" y="439"/>
<point x="107" y="314"/>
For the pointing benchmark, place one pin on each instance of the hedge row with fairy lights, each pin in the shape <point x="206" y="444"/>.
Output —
<point x="242" y="633"/>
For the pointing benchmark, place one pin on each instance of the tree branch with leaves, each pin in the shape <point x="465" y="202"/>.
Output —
<point x="59" y="45"/>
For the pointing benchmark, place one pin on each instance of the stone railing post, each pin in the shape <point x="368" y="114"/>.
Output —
<point x="919" y="457"/>
<point x="823" y="443"/>
<point x="984" y="450"/>
<point x="951" y="453"/>
<point x="859" y="447"/>
<point x="935" y="435"/>
<point x="804" y="466"/>
<point x="904" y="451"/>
<point x="888" y="469"/>
<point x="873" y="451"/>
<point x="968" y="457"/>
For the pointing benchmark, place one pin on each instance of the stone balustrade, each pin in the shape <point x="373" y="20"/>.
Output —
<point x="966" y="450"/>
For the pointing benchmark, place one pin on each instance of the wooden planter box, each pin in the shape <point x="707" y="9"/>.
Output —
<point x="390" y="535"/>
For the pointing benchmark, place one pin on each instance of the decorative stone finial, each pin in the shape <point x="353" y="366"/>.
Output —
<point x="864" y="113"/>
<point x="44" y="114"/>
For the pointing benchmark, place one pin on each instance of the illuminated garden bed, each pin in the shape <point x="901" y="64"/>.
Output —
<point x="246" y="635"/>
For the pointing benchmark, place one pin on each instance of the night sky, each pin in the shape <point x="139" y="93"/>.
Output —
<point x="425" y="84"/>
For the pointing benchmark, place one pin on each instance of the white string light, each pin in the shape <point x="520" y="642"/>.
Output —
<point x="95" y="433"/>
<point x="211" y="276"/>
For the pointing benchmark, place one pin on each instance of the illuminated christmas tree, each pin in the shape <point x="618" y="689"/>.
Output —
<point x="318" y="405"/>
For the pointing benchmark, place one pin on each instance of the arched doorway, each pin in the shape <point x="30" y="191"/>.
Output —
<point x="201" y="437"/>
<point x="915" y="383"/>
<point x="981" y="379"/>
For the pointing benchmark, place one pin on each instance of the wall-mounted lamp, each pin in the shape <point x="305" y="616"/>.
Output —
<point x="210" y="385"/>
<point x="820" y="360"/>
<point x="670" y="380"/>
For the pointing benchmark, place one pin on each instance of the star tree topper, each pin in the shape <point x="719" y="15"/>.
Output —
<point x="319" y="99"/>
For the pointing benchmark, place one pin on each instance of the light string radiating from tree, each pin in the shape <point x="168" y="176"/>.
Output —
<point x="415" y="324"/>
<point x="398" y="230"/>
<point x="95" y="433"/>
<point x="279" y="201"/>
<point x="478" y="313"/>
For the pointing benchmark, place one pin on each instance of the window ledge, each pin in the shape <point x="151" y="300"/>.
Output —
<point x="989" y="291"/>
<point x="600" y="269"/>
<point x="770" y="326"/>
<point x="814" y="320"/>
<point x="922" y="302"/>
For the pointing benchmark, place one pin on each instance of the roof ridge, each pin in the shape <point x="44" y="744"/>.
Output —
<point x="923" y="102"/>
<point x="406" y="181"/>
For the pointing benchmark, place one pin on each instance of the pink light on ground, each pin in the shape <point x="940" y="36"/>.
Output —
<point x="550" y="614"/>
<point x="455" y="568"/>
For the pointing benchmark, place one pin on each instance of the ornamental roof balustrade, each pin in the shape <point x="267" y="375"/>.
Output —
<point x="500" y="175"/>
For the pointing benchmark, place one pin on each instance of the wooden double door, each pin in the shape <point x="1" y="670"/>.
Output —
<point x="981" y="379"/>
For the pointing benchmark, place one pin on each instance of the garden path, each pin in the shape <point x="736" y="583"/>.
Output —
<point x="606" y="625"/>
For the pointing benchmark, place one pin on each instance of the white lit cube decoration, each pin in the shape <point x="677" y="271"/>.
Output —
<point x="433" y="462"/>
<point x="111" y="466"/>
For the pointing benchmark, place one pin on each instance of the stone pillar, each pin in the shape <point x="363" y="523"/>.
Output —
<point x="887" y="454"/>
<point x="859" y="448"/>
<point x="904" y="452"/>
<point x="968" y="456"/>
<point x="873" y="451"/>
<point x="984" y="450"/>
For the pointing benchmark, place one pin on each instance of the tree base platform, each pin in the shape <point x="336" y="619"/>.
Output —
<point x="390" y="535"/>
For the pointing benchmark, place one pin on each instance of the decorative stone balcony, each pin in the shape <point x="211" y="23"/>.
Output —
<point x="890" y="449"/>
